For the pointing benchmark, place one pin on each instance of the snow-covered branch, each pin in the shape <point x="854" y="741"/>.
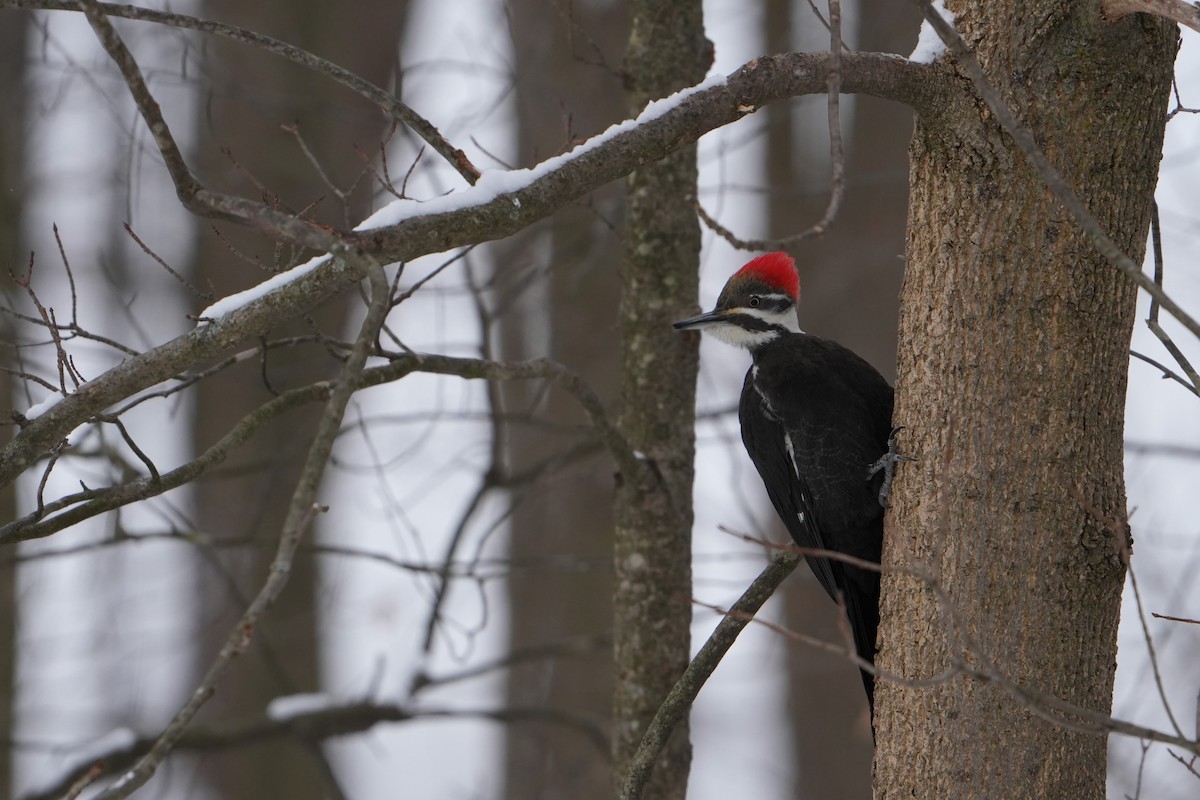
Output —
<point x="501" y="204"/>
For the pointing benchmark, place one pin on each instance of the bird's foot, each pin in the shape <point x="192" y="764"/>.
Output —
<point x="887" y="463"/>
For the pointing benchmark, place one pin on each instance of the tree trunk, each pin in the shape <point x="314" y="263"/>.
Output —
<point x="1012" y="370"/>
<point x="653" y="550"/>
<point x="555" y="294"/>
<point x="13" y="55"/>
<point x="252" y="507"/>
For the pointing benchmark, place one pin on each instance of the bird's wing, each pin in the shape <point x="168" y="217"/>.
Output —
<point x="769" y="445"/>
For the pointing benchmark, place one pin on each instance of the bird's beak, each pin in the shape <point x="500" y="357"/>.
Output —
<point x="705" y="319"/>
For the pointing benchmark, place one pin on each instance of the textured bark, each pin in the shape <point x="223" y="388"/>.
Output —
<point x="253" y="504"/>
<point x="555" y="294"/>
<point x="1012" y="374"/>
<point x="652" y="555"/>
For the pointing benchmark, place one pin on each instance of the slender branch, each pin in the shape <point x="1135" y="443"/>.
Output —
<point x="480" y="570"/>
<point x="486" y="217"/>
<point x="578" y="646"/>
<point x="188" y="189"/>
<point x="1118" y="527"/>
<point x="336" y="720"/>
<point x="300" y="514"/>
<point x="1166" y="372"/>
<point x="837" y="156"/>
<point x="679" y="701"/>
<point x="91" y="502"/>
<point x="1193" y="381"/>
<point x="1180" y="11"/>
<point x="384" y="99"/>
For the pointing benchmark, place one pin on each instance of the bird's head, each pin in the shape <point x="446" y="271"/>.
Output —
<point x="757" y="305"/>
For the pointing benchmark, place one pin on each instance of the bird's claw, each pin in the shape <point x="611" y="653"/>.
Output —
<point x="887" y="463"/>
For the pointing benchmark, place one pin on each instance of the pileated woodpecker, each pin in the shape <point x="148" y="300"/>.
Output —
<point x="816" y="421"/>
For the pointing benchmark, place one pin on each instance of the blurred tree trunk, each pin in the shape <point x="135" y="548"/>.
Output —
<point x="850" y="279"/>
<point x="556" y="291"/>
<point x="653" y="550"/>
<point x="1012" y="375"/>
<point x="12" y="193"/>
<point x="365" y="39"/>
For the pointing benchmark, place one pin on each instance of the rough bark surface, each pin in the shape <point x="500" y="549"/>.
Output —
<point x="1012" y="373"/>
<point x="652" y="609"/>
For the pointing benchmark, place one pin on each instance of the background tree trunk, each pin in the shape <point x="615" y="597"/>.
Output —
<point x="1012" y="371"/>
<point x="555" y="292"/>
<point x="653" y="552"/>
<point x="12" y="193"/>
<point x="251" y="507"/>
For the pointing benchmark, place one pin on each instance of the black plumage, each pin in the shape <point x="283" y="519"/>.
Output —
<point x="832" y="411"/>
<point x="817" y="423"/>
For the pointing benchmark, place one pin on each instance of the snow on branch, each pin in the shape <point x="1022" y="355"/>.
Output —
<point x="929" y="44"/>
<point x="542" y="191"/>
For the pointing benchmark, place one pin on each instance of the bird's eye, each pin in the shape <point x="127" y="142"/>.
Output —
<point x="755" y="301"/>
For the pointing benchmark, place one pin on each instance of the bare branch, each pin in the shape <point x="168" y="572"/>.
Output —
<point x="190" y="191"/>
<point x="837" y="155"/>
<point x="97" y="501"/>
<point x="385" y="100"/>
<point x="205" y="296"/>
<point x="1152" y="320"/>
<point x="1167" y="372"/>
<point x="683" y="694"/>
<point x="300" y="513"/>
<point x="762" y="81"/>
<point x="1180" y="11"/>
<point x="333" y="721"/>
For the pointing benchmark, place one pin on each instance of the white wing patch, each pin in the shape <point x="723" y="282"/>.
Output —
<point x="791" y="451"/>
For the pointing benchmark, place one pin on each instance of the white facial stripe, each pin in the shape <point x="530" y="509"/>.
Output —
<point x="784" y="319"/>
<point x="774" y="323"/>
<point x="740" y="337"/>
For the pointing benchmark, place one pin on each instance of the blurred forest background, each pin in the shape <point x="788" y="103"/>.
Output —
<point x="464" y="569"/>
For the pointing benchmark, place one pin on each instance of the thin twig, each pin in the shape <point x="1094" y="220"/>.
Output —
<point x="97" y="501"/>
<point x="207" y="297"/>
<point x="1166" y="372"/>
<point x="301" y="511"/>
<point x="1152" y="321"/>
<point x="679" y="700"/>
<point x="320" y="724"/>
<point x="1180" y="11"/>
<point x="1118" y="527"/>
<point x="385" y="100"/>
<point x="837" y="155"/>
<point x="188" y="188"/>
